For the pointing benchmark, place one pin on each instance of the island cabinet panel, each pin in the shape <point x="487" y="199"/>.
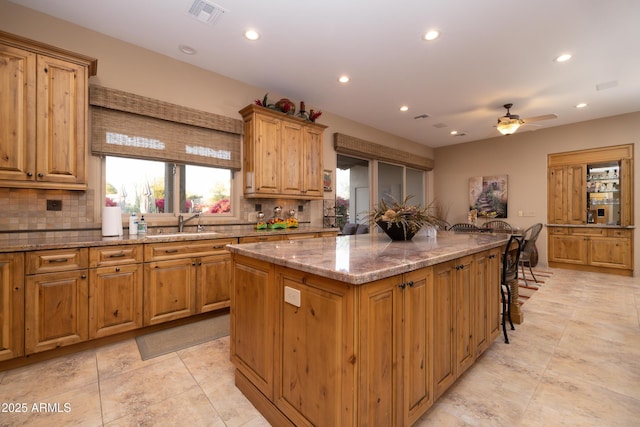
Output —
<point x="315" y="355"/>
<point x="380" y="322"/>
<point x="253" y="320"/>
<point x="455" y="320"/>
<point x="444" y="370"/>
<point x="313" y="351"/>
<point x="487" y="310"/>
<point x="11" y="305"/>
<point x="465" y="316"/>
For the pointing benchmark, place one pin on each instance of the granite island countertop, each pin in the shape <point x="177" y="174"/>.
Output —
<point x="363" y="258"/>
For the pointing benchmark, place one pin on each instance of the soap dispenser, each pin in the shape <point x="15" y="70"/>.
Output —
<point x="142" y="226"/>
<point x="133" y="224"/>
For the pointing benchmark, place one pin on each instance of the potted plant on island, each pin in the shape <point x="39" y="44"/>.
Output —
<point x="402" y="221"/>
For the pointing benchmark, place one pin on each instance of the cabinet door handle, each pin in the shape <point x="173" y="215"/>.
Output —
<point x="40" y="175"/>
<point x="120" y="255"/>
<point x="84" y="276"/>
<point x="117" y="269"/>
<point x="218" y="247"/>
<point x="410" y="284"/>
<point x="56" y="260"/>
<point x="193" y="264"/>
<point x="402" y="285"/>
<point x="29" y="174"/>
<point x="170" y="251"/>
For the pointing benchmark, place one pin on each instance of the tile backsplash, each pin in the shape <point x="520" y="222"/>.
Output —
<point x="26" y="209"/>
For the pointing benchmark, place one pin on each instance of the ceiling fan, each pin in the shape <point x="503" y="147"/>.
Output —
<point x="510" y="123"/>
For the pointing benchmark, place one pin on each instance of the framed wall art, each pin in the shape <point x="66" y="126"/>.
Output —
<point x="488" y="195"/>
<point x="327" y="180"/>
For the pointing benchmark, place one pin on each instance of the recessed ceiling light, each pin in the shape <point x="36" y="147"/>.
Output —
<point x="563" y="58"/>
<point x="404" y="108"/>
<point x="454" y="132"/>
<point x="431" y="35"/>
<point x="187" y="50"/>
<point x="581" y="105"/>
<point x="252" y="35"/>
<point x="343" y="79"/>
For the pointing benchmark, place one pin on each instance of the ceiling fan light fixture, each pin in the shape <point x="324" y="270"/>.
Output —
<point x="508" y="126"/>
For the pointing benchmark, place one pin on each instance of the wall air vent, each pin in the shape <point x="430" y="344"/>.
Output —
<point x="206" y="11"/>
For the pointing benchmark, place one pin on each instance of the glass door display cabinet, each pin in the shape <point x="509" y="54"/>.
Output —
<point x="603" y="193"/>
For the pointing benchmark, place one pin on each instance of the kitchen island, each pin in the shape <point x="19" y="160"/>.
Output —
<point x="359" y="330"/>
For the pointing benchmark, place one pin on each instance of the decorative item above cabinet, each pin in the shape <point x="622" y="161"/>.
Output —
<point x="282" y="155"/>
<point x="43" y="137"/>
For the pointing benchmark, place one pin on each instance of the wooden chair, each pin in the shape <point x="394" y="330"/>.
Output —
<point x="464" y="227"/>
<point x="510" y="261"/>
<point x="498" y="225"/>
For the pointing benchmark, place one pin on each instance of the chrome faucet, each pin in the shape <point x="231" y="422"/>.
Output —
<point x="182" y="221"/>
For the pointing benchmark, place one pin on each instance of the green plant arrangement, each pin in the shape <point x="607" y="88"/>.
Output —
<point x="400" y="220"/>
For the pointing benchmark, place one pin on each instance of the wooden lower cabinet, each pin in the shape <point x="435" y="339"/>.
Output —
<point x="599" y="249"/>
<point x="185" y="278"/>
<point x="115" y="300"/>
<point x="56" y="298"/>
<point x="315" y="351"/>
<point x="169" y="290"/>
<point x="11" y="305"/>
<point x="56" y="310"/>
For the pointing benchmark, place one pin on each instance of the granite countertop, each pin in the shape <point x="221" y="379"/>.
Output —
<point x="12" y="242"/>
<point x="363" y="258"/>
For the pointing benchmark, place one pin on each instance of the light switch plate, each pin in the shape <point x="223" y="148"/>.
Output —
<point x="292" y="296"/>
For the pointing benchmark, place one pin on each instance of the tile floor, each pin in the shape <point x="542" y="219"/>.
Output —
<point x="574" y="362"/>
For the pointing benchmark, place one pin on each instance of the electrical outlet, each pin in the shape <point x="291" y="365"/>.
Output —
<point x="300" y="208"/>
<point x="54" y="205"/>
<point x="292" y="296"/>
<point x="258" y="207"/>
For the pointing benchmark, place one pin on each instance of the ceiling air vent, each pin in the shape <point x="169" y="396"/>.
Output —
<point x="206" y="12"/>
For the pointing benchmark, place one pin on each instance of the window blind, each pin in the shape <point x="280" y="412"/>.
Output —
<point x="129" y="125"/>
<point x="349" y="145"/>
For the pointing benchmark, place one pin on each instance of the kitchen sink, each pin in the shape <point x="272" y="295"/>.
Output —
<point x="185" y="234"/>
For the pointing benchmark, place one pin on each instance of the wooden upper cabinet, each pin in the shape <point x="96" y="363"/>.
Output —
<point x="43" y="117"/>
<point x="282" y="155"/>
<point x="567" y="183"/>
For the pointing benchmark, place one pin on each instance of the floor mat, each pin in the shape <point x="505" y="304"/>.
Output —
<point x="527" y="289"/>
<point x="178" y="338"/>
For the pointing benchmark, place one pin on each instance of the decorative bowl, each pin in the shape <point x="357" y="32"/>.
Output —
<point x="396" y="231"/>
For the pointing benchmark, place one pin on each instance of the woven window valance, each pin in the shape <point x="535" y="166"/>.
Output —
<point x="349" y="145"/>
<point x="124" y="124"/>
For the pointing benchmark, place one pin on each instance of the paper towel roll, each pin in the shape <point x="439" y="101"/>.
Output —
<point x="111" y="221"/>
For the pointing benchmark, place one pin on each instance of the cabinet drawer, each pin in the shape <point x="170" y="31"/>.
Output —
<point x="254" y="239"/>
<point x="298" y="236"/>
<point x="162" y="251"/>
<point x="55" y="260"/>
<point x="587" y="231"/>
<point x="617" y="232"/>
<point x="557" y="230"/>
<point x="115" y="255"/>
